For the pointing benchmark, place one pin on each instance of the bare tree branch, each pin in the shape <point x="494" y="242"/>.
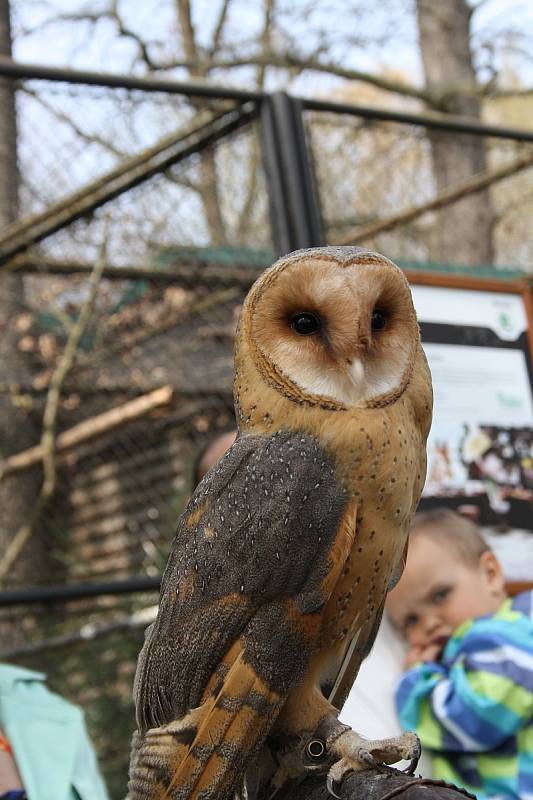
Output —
<point x="188" y="36"/>
<point x="90" y="429"/>
<point x="200" y="64"/>
<point x="93" y="18"/>
<point x="219" y="28"/>
<point x="48" y="437"/>
<point x="64" y="366"/>
<point x="463" y="189"/>
<point x="292" y="61"/>
<point x="91" y="138"/>
<point x="129" y="34"/>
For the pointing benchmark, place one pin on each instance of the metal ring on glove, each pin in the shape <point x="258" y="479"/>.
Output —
<point x="316" y="749"/>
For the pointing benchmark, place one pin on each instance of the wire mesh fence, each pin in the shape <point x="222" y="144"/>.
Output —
<point x="386" y="169"/>
<point x="185" y="233"/>
<point x="118" y="493"/>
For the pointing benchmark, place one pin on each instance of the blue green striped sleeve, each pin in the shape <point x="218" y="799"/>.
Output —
<point x="482" y="691"/>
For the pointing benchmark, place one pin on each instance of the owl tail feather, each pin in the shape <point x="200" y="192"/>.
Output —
<point x="230" y="732"/>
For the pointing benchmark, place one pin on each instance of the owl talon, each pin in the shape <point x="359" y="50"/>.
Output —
<point x="415" y="758"/>
<point x="330" y="783"/>
<point x="355" y="753"/>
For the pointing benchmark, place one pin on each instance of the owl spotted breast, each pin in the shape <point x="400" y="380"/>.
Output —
<point x="279" y="569"/>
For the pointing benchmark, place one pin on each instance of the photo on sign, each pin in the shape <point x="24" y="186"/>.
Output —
<point x="488" y="466"/>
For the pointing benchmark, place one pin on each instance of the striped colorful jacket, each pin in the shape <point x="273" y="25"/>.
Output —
<point x="474" y="709"/>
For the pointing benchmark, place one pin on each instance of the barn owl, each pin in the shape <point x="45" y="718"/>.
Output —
<point x="279" y="569"/>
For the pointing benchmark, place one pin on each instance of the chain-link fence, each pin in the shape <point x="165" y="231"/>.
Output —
<point x="386" y="170"/>
<point x="170" y="193"/>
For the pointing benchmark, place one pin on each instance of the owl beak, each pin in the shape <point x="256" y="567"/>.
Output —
<point x="356" y="372"/>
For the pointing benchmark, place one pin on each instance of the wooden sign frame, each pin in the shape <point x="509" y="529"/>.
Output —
<point x="521" y="286"/>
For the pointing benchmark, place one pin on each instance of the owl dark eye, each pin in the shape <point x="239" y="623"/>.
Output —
<point x="379" y="320"/>
<point x="305" y="323"/>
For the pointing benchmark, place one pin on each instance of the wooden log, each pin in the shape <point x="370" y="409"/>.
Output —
<point x="90" y="429"/>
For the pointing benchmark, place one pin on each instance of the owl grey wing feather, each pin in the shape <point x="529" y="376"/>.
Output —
<point x="257" y="530"/>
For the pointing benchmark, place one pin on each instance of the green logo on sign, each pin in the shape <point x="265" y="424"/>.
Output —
<point x="508" y="401"/>
<point x="505" y="321"/>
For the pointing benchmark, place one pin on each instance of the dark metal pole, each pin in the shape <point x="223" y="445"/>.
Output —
<point x="437" y="120"/>
<point x="77" y="591"/>
<point x="294" y="207"/>
<point x="14" y="69"/>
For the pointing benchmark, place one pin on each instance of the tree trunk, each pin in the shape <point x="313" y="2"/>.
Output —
<point x="211" y="198"/>
<point x="17" y="493"/>
<point x="208" y="185"/>
<point x="464" y="229"/>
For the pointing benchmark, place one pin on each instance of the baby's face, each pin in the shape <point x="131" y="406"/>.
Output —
<point x="438" y="591"/>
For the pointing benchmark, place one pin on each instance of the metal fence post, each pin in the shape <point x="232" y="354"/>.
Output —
<point x="293" y="197"/>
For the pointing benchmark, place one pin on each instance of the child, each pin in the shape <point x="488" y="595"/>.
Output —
<point x="468" y="689"/>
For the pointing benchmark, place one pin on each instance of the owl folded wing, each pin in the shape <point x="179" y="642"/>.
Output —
<point x="255" y="557"/>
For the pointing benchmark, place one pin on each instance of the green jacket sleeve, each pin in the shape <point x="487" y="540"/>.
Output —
<point x="49" y="739"/>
